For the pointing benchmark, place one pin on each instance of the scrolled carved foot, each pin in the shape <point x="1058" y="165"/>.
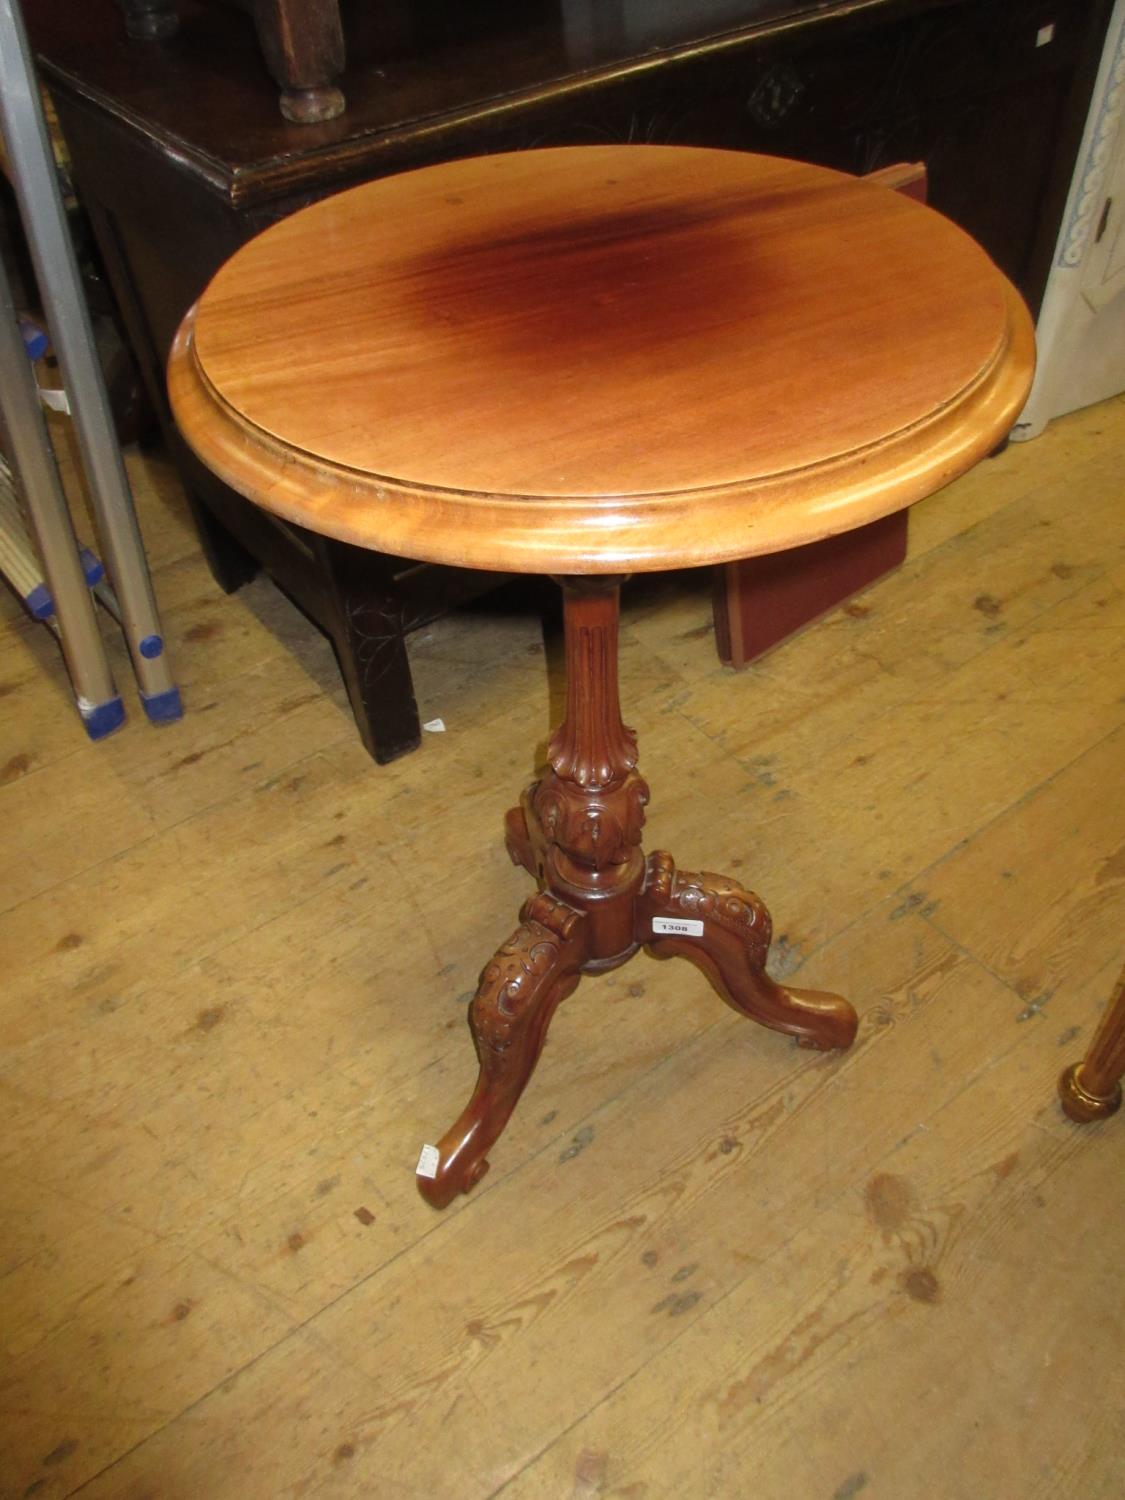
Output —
<point x="1080" y="1104"/>
<point x="725" y="931"/>
<point x="518" y="993"/>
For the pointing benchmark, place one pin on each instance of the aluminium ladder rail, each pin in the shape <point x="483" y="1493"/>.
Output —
<point x="48" y="514"/>
<point x="44" y="219"/>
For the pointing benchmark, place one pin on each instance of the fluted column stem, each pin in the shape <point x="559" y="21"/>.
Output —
<point x="592" y="748"/>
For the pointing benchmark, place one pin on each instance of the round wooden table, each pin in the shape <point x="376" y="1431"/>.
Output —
<point x="588" y="362"/>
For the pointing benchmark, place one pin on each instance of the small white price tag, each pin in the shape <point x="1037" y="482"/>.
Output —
<point x="428" y="1162"/>
<point x="678" y="926"/>
<point x="435" y="726"/>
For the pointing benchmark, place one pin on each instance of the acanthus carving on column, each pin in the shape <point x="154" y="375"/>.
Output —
<point x="596" y="828"/>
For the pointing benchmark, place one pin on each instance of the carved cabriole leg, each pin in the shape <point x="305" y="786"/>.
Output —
<point x="1091" y="1089"/>
<point x="727" y="936"/>
<point x="519" y="990"/>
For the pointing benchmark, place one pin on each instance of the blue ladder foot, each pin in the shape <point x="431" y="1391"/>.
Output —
<point x="101" y="719"/>
<point x="162" y="708"/>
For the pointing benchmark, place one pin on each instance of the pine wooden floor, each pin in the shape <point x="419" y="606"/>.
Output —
<point x="235" y="962"/>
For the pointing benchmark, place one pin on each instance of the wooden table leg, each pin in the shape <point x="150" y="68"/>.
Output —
<point x="578" y="833"/>
<point x="1091" y="1089"/>
<point x="725" y="931"/>
<point x="519" y="990"/>
<point x="303" y="44"/>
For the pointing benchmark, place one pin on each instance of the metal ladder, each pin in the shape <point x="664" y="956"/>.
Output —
<point x="48" y="536"/>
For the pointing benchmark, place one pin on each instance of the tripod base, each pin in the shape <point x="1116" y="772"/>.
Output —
<point x="578" y="832"/>
<point x="713" y="922"/>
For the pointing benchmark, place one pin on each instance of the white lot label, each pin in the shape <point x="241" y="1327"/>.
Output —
<point x="680" y="926"/>
<point x="428" y="1162"/>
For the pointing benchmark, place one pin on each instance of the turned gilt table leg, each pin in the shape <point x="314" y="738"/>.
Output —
<point x="1091" y="1089"/>
<point x="577" y="832"/>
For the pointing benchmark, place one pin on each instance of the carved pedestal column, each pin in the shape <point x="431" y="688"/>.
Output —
<point x="585" y="816"/>
<point x="578" y="832"/>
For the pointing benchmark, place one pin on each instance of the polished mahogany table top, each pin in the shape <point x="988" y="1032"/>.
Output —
<point x="601" y="359"/>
